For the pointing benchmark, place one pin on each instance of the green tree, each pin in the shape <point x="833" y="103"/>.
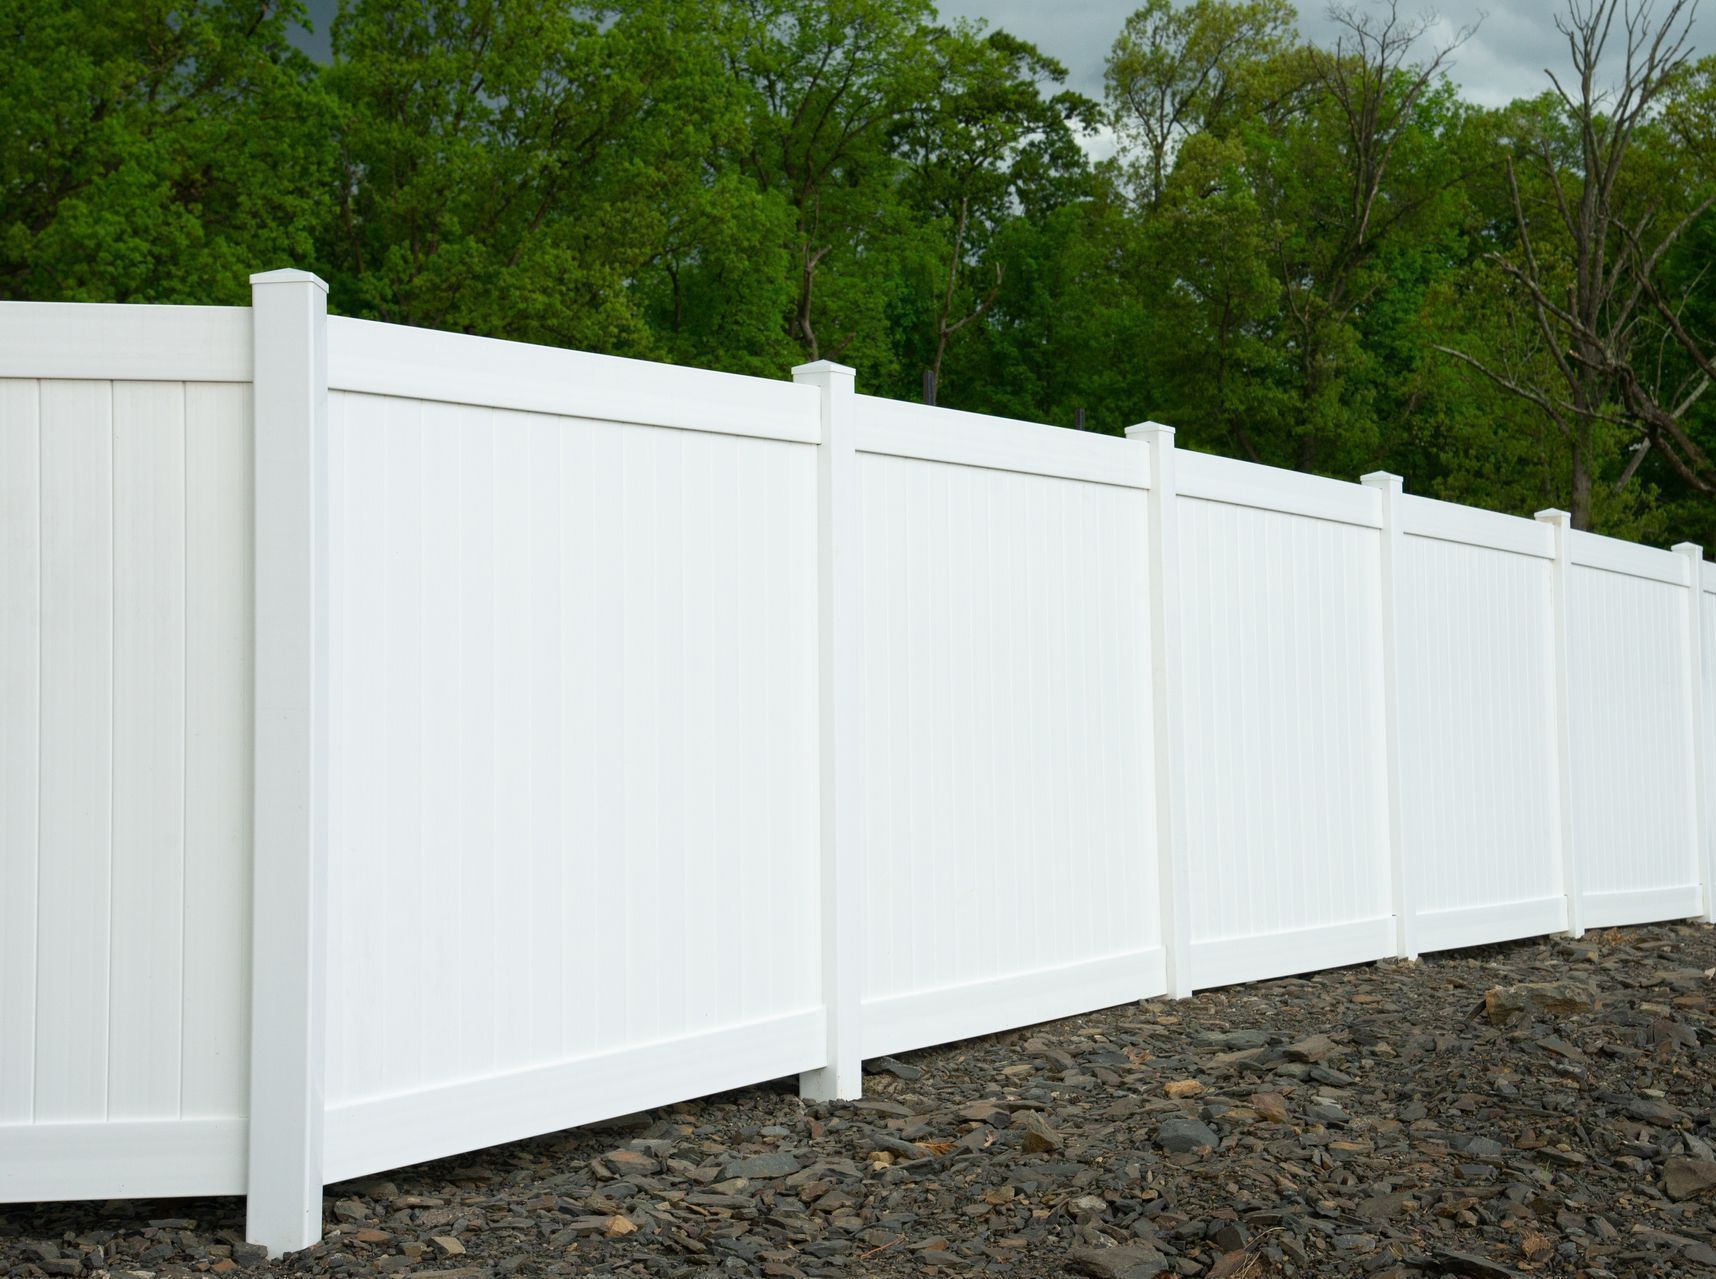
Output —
<point x="827" y="85"/>
<point x="1180" y="70"/>
<point x="992" y="148"/>
<point x="513" y="168"/>
<point x="1291" y="198"/>
<point x="156" y="150"/>
<point x="1069" y="331"/>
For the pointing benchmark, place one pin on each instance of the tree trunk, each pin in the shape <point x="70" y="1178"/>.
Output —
<point x="1580" y="501"/>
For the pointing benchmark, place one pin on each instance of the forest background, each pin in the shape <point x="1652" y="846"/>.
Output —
<point x="1317" y="255"/>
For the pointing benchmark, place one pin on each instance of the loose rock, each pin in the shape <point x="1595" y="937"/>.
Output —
<point x="1185" y="1135"/>
<point x="1505" y="1004"/>
<point x="761" y="1166"/>
<point x="1131" y="1261"/>
<point x="1683" y="1178"/>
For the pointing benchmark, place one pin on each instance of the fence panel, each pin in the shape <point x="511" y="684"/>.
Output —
<point x="1634" y="827"/>
<point x="1284" y="736"/>
<point x="1006" y="808"/>
<point x="1480" y="792"/>
<point x="125" y="730"/>
<point x="573" y="861"/>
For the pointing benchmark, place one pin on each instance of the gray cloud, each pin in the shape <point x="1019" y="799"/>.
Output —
<point x="1515" y="41"/>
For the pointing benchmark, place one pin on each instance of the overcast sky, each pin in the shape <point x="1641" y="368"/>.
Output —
<point x="1505" y="60"/>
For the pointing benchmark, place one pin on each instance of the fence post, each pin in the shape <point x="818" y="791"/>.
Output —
<point x="289" y="311"/>
<point x="837" y="629"/>
<point x="1562" y="572"/>
<point x="1167" y="703"/>
<point x="1695" y="677"/>
<point x="1389" y="490"/>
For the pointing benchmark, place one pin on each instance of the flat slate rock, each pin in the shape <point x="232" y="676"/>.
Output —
<point x="758" y="1166"/>
<point x="1127" y="1261"/>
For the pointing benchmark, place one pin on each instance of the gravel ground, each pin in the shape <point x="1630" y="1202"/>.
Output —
<point x="1546" y="1107"/>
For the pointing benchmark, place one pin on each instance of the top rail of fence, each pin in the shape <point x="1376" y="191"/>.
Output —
<point x="122" y="342"/>
<point x="1630" y="559"/>
<point x="457" y="368"/>
<point x="1470" y="526"/>
<point x="1266" y="488"/>
<point x="899" y="428"/>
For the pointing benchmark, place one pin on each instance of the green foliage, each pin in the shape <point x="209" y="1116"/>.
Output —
<point x="1305" y="256"/>
<point x="156" y="150"/>
<point x="1178" y="71"/>
<point x="512" y="168"/>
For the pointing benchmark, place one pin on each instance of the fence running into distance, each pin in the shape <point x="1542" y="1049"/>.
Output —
<point x="410" y="742"/>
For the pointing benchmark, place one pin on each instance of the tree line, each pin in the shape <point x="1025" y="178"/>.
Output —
<point x="1314" y="256"/>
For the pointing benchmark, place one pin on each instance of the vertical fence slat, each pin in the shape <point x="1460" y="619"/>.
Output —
<point x="1167" y="707"/>
<point x="289" y="915"/>
<point x="149" y="677"/>
<point x="838" y="621"/>
<point x="219" y="656"/>
<point x="75" y="850"/>
<point x="1695" y="677"/>
<point x="1388" y="488"/>
<point x="1559" y="658"/>
<point x="20" y="738"/>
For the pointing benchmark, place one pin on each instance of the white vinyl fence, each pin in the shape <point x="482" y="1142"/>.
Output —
<point x="411" y="742"/>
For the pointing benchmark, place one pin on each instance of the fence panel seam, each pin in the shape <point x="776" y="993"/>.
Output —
<point x="1559" y="658"/>
<point x="1695" y="677"/>
<point x="1167" y="730"/>
<point x="1389" y="489"/>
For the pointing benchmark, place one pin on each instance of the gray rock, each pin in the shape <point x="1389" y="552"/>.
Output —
<point x="898" y="1069"/>
<point x="1129" y="1261"/>
<point x="1239" y="1039"/>
<point x="755" y="1167"/>
<point x="1683" y="1178"/>
<point x="1384" y="1207"/>
<point x="1465" y="1263"/>
<point x="1312" y="1049"/>
<point x="1655" y="1112"/>
<point x="249" y="1254"/>
<point x="1181" y="1135"/>
<point x="1505" y="1004"/>
<point x="1040" y="1138"/>
<point x="1483" y="1148"/>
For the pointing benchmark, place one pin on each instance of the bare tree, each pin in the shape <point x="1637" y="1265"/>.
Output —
<point x="1603" y="322"/>
<point x="1377" y="91"/>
